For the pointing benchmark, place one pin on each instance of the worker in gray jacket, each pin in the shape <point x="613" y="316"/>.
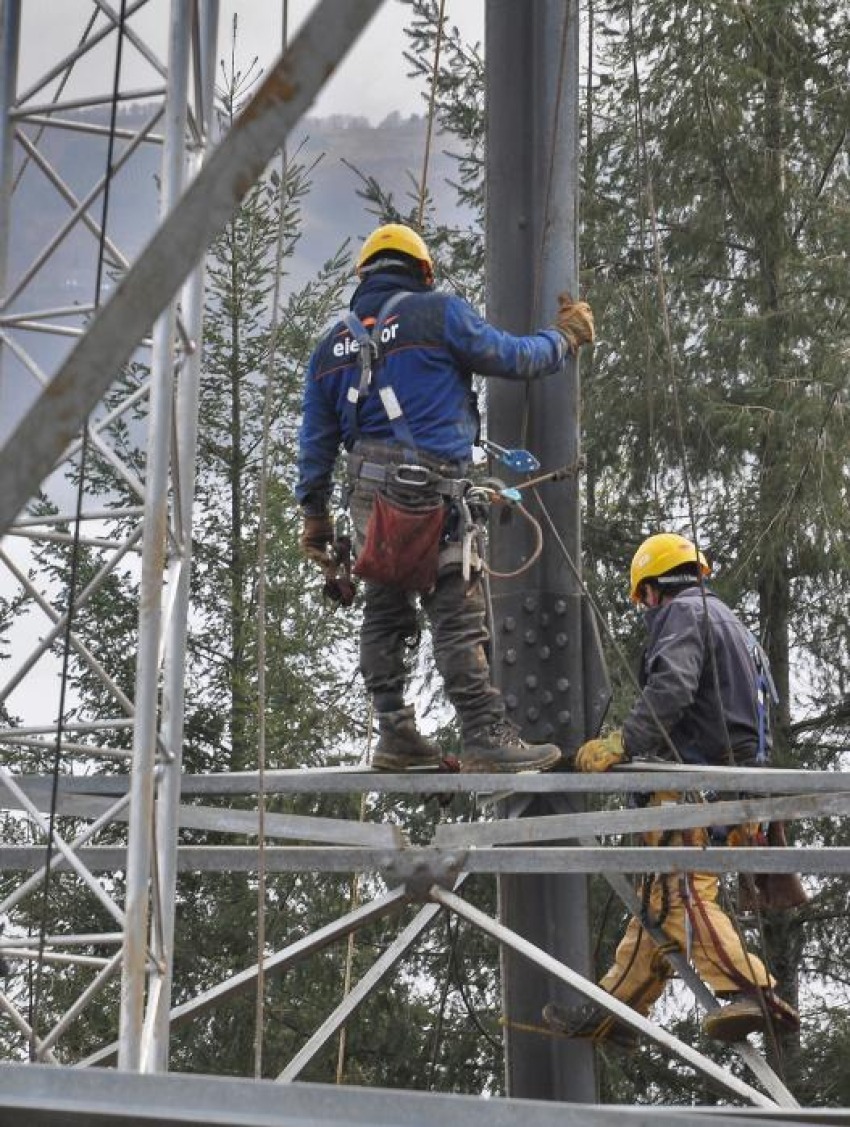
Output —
<point x="703" y="701"/>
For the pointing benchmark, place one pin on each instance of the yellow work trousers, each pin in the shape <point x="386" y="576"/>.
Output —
<point x="701" y="929"/>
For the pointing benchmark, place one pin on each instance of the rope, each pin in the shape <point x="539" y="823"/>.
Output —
<point x="674" y="378"/>
<point x="535" y="553"/>
<point x="76" y="547"/>
<point x="432" y="105"/>
<point x="262" y="524"/>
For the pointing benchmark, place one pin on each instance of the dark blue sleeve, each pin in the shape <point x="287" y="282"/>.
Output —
<point x="318" y="445"/>
<point x="480" y="347"/>
<point x="674" y="664"/>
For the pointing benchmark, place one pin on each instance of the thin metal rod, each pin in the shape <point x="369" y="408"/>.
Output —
<point x="559" y="827"/>
<point x="67" y="851"/>
<point x="108" y="971"/>
<point x="71" y="126"/>
<point x="85" y="835"/>
<point x="79" y="210"/>
<point x="154" y="546"/>
<point x="10" y="33"/>
<point x="157" y="1025"/>
<point x="59" y="624"/>
<point x="22" y="112"/>
<point x="23" y="1026"/>
<point x="506" y="859"/>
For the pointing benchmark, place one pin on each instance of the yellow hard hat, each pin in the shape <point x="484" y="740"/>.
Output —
<point x="662" y="553"/>
<point x="396" y="237"/>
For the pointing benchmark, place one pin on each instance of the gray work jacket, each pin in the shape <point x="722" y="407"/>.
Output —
<point x="681" y="681"/>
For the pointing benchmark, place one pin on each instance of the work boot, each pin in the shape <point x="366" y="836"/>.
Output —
<point x="747" y="1013"/>
<point x="401" y="746"/>
<point x="589" y="1020"/>
<point x="499" y="747"/>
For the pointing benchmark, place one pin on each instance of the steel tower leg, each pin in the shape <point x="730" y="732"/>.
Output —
<point x="142" y="975"/>
<point x="186" y="430"/>
<point x="10" y="30"/>
<point x="532" y="255"/>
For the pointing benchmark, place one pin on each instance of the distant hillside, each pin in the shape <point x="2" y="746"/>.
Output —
<point x="392" y="152"/>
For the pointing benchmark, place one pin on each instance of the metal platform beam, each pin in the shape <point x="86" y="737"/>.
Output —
<point x="42" y="1096"/>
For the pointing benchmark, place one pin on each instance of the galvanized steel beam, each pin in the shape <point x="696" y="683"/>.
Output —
<point x="833" y="860"/>
<point x="41" y="1096"/>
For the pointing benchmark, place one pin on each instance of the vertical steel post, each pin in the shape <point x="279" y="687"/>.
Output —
<point x="186" y="429"/>
<point x="137" y="969"/>
<point x="10" y="30"/>
<point x="537" y="648"/>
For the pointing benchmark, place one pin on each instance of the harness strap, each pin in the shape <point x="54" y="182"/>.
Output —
<point x="369" y="356"/>
<point x="765" y="693"/>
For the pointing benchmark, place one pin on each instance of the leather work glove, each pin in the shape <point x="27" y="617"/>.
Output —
<point x="574" y="321"/>
<point x="316" y="537"/>
<point x="600" y="755"/>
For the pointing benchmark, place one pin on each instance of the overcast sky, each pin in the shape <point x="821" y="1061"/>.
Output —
<point x="371" y="81"/>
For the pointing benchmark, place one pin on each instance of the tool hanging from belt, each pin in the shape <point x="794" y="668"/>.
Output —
<point x="339" y="586"/>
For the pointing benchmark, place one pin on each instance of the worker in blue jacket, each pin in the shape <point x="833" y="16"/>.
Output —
<point x="391" y="383"/>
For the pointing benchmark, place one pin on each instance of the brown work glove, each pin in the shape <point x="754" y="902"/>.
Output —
<point x="316" y="537"/>
<point x="574" y="321"/>
<point x="600" y="755"/>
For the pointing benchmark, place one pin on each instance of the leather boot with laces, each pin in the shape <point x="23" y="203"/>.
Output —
<point x="499" y="747"/>
<point x="401" y="746"/>
<point x="589" y="1020"/>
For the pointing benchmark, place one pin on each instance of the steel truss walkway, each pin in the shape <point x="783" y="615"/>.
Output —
<point x="433" y="874"/>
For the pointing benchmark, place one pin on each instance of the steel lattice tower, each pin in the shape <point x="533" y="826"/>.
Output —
<point x="58" y="394"/>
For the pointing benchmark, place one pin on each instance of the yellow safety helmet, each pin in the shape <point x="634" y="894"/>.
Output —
<point x="662" y="553"/>
<point x="396" y="237"/>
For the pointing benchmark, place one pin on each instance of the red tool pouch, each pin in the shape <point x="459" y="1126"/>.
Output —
<point x="401" y="546"/>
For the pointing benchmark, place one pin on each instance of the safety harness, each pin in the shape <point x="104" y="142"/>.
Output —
<point x="765" y="694"/>
<point x="369" y="356"/>
<point x="410" y="474"/>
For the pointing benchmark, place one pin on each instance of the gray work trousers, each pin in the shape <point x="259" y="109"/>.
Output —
<point x="455" y="610"/>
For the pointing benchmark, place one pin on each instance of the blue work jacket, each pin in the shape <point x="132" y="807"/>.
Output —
<point x="431" y="343"/>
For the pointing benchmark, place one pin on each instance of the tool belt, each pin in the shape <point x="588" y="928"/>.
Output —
<point x="403" y="515"/>
<point x="405" y="475"/>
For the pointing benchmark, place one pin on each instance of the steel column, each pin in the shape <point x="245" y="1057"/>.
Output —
<point x="137" y="968"/>
<point x="532" y="256"/>
<point x="10" y="30"/>
<point x="185" y="454"/>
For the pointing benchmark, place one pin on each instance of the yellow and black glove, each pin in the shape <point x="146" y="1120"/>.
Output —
<point x="600" y="755"/>
<point x="574" y="321"/>
<point x="316" y="537"/>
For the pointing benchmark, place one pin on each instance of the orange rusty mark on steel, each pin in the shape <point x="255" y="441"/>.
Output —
<point x="280" y="86"/>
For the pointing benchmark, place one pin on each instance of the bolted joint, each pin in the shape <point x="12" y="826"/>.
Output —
<point x="417" y="869"/>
